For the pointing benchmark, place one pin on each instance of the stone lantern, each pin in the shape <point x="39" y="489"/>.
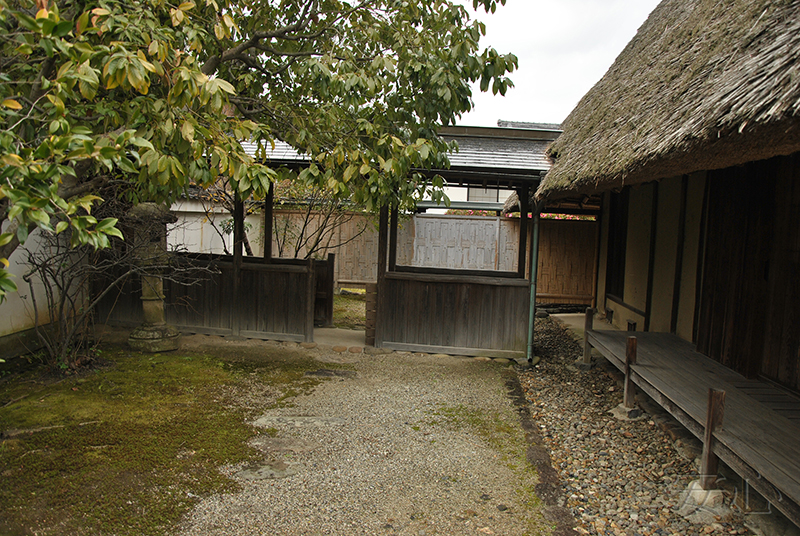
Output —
<point x="149" y="222"/>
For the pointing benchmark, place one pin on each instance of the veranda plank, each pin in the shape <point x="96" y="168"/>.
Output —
<point x="764" y="438"/>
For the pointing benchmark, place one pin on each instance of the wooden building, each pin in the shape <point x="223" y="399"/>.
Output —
<point x="693" y="139"/>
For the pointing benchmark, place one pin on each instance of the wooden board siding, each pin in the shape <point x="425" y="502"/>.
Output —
<point x="276" y="300"/>
<point x="734" y="281"/>
<point x="749" y="306"/>
<point x="759" y="435"/>
<point x="475" y="315"/>
<point x="781" y="358"/>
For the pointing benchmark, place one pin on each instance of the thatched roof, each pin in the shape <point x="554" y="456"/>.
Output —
<point x="703" y="85"/>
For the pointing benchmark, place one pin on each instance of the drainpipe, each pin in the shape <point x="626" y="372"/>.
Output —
<point x="534" y="264"/>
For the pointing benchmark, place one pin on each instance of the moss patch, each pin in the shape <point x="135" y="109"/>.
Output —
<point x="349" y="311"/>
<point x="129" y="448"/>
<point x="503" y="436"/>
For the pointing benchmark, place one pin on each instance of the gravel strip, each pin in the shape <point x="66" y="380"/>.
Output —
<point x="393" y="444"/>
<point x="619" y="477"/>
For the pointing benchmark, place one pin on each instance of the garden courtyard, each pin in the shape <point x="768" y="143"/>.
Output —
<point x="245" y="437"/>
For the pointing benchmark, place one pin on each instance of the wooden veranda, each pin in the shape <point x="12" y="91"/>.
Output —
<point x="758" y="435"/>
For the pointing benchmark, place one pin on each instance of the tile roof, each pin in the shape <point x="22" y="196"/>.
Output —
<point x="479" y="148"/>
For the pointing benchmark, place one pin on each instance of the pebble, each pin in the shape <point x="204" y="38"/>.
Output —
<point x="618" y="477"/>
<point x="391" y="448"/>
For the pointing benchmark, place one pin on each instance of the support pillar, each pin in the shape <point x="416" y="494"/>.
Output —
<point x="630" y="360"/>
<point x="714" y="415"/>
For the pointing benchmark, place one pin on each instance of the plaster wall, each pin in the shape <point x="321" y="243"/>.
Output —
<point x="695" y="200"/>
<point x="194" y="231"/>
<point x="637" y="251"/>
<point x="17" y="318"/>
<point x="667" y="230"/>
<point x="602" y="266"/>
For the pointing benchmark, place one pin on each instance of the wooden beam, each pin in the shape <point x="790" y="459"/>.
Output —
<point x="238" y="240"/>
<point x="628" y="399"/>
<point x="676" y="286"/>
<point x="651" y="266"/>
<point x="329" y="289"/>
<point x="268" y="206"/>
<point x="523" y="228"/>
<point x="588" y="325"/>
<point x="393" y="240"/>
<point x="380" y="309"/>
<point x="311" y="292"/>
<point x="709" y="460"/>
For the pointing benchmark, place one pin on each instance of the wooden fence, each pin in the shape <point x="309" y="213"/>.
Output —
<point x="278" y="300"/>
<point x="475" y="314"/>
<point x="567" y="250"/>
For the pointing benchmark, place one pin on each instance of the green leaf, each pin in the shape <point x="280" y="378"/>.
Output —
<point x="22" y="233"/>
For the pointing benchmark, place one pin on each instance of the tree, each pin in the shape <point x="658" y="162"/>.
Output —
<point x="156" y="95"/>
<point x="314" y="221"/>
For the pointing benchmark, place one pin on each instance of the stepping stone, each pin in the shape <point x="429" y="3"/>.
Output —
<point x="270" y="445"/>
<point x="299" y="421"/>
<point x="276" y="470"/>
<point x="328" y="373"/>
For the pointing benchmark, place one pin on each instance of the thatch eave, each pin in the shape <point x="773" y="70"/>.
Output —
<point x="703" y="85"/>
<point x="759" y="142"/>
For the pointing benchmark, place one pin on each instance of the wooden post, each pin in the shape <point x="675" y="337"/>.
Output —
<point x="587" y="327"/>
<point x="522" y="193"/>
<point x="380" y="311"/>
<point x="311" y="293"/>
<point x="329" y="290"/>
<point x="393" y="240"/>
<point x="714" y="414"/>
<point x="630" y="360"/>
<point x="238" y="240"/>
<point x="268" y="206"/>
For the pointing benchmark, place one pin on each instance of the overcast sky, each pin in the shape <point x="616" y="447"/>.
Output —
<point x="564" y="47"/>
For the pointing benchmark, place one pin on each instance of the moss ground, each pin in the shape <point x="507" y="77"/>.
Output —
<point x="349" y="311"/>
<point x="504" y="436"/>
<point x="129" y="447"/>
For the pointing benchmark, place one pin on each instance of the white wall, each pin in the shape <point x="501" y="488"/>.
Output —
<point x="16" y="313"/>
<point x="194" y="232"/>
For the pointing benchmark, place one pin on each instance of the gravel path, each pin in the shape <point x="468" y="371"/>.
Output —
<point x="619" y="477"/>
<point x="395" y="444"/>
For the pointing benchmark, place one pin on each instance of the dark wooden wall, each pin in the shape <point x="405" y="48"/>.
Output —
<point x="781" y="361"/>
<point x="277" y="300"/>
<point x="468" y="315"/>
<point x="749" y="309"/>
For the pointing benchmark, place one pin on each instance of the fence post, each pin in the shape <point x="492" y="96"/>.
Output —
<point x="330" y="289"/>
<point x="714" y="414"/>
<point x="630" y="360"/>
<point x="311" y="292"/>
<point x="238" y="240"/>
<point x="380" y="307"/>
<point x="587" y="327"/>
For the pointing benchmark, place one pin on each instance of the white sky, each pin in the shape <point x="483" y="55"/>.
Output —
<point x="564" y="47"/>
